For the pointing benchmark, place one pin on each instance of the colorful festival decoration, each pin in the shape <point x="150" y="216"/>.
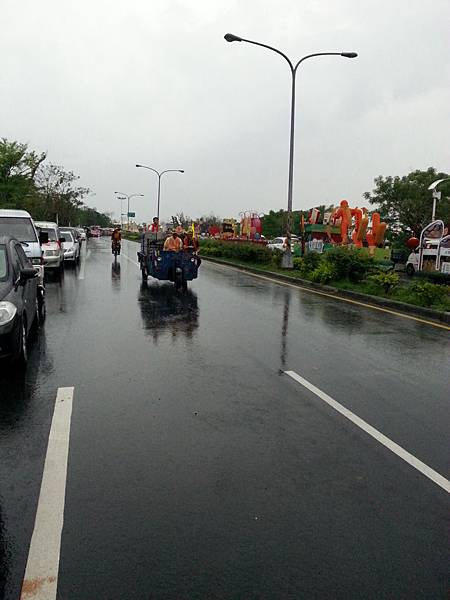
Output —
<point x="356" y="221"/>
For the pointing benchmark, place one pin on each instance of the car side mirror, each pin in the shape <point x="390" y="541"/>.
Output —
<point x="62" y="239"/>
<point x="27" y="274"/>
<point x="43" y="237"/>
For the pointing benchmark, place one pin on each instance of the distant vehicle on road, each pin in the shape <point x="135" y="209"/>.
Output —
<point x="95" y="232"/>
<point x="71" y="245"/>
<point x="20" y="306"/>
<point x="165" y="265"/>
<point x="82" y="233"/>
<point x="53" y="252"/>
<point x="19" y="224"/>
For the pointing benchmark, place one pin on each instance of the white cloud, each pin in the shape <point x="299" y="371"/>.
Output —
<point x="102" y="86"/>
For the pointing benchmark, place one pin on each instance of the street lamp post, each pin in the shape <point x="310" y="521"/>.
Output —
<point x="121" y="198"/>
<point x="229" y="37"/>
<point x="160" y="174"/>
<point x="128" y="205"/>
<point x="436" y="194"/>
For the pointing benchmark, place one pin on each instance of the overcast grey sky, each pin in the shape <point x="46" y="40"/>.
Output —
<point x="103" y="85"/>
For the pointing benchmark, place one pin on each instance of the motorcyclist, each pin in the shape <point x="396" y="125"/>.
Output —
<point x="116" y="238"/>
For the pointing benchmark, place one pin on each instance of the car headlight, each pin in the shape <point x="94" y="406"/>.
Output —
<point x="36" y="261"/>
<point x="51" y="252"/>
<point x="7" y="312"/>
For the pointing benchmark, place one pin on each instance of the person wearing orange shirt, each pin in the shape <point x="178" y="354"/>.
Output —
<point x="173" y="243"/>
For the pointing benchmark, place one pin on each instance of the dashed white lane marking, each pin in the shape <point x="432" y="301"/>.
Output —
<point x="41" y="574"/>
<point x="83" y="264"/>
<point x="131" y="260"/>
<point x="377" y="435"/>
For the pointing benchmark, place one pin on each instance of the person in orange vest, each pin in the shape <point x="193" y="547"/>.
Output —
<point x="173" y="243"/>
<point x="116" y="238"/>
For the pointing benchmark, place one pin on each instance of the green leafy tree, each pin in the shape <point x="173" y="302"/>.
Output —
<point x="60" y="196"/>
<point x="45" y="191"/>
<point x="275" y="222"/>
<point x="18" y="168"/>
<point x="405" y="203"/>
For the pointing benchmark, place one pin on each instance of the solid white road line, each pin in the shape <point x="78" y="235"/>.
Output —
<point x="382" y="439"/>
<point x="131" y="260"/>
<point x="41" y="574"/>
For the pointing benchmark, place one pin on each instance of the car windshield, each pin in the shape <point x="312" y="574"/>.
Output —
<point x="67" y="235"/>
<point x="277" y="241"/>
<point x="3" y="263"/>
<point x="18" y="227"/>
<point x="51" y="233"/>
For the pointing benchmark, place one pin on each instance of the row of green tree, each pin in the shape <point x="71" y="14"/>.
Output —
<point x="404" y="203"/>
<point x="47" y="191"/>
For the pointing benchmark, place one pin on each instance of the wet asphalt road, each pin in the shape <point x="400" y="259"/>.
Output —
<point x="198" y="470"/>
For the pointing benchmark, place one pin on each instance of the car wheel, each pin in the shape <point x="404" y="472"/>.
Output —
<point x="410" y="270"/>
<point x="36" y="320"/>
<point x="42" y="311"/>
<point x="21" y="359"/>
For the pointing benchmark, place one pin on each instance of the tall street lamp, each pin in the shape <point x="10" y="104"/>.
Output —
<point x="287" y="256"/>
<point x="160" y="174"/>
<point x="121" y="198"/>
<point x="128" y="204"/>
<point x="436" y="195"/>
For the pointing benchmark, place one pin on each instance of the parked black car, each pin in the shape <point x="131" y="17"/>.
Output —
<point x="20" y="304"/>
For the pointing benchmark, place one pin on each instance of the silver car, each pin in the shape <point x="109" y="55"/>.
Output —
<point x="53" y="251"/>
<point x="71" y="245"/>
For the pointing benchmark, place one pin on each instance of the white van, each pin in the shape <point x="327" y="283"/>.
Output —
<point x="19" y="224"/>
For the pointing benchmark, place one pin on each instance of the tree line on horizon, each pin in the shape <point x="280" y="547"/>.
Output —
<point x="49" y="192"/>
<point x="404" y="203"/>
<point x="46" y="190"/>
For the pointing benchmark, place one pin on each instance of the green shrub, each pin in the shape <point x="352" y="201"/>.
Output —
<point x="310" y="262"/>
<point x="298" y="263"/>
<point x="324" y="273"/>
<point x="430" y="293"/>
<point x="433" y="277"/>
<point x="277" y="257"/>
<point x="385" y="280"/>
<point x="349" y="262"/>
<point x="254" y="253"/>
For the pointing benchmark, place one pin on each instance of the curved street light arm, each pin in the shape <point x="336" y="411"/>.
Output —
<point x="315" y="54"/>
<point x="273" y="49"/>
<point x="172" y="171"/>
<point x="149" y="168"/>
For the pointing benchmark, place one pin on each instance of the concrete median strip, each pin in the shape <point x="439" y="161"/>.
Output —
<point x="374" y="433"/>
<point x="41" y="574"/>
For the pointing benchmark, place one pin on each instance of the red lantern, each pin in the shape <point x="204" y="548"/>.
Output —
<point x="412" y="243"/>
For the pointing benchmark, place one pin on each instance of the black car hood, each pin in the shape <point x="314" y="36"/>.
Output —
<point x="5" y="288"/>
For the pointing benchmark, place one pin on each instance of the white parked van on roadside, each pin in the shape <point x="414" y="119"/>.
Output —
<point x="19" y="224"/>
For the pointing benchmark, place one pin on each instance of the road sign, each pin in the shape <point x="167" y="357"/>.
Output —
<point x="132" y="214"/>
